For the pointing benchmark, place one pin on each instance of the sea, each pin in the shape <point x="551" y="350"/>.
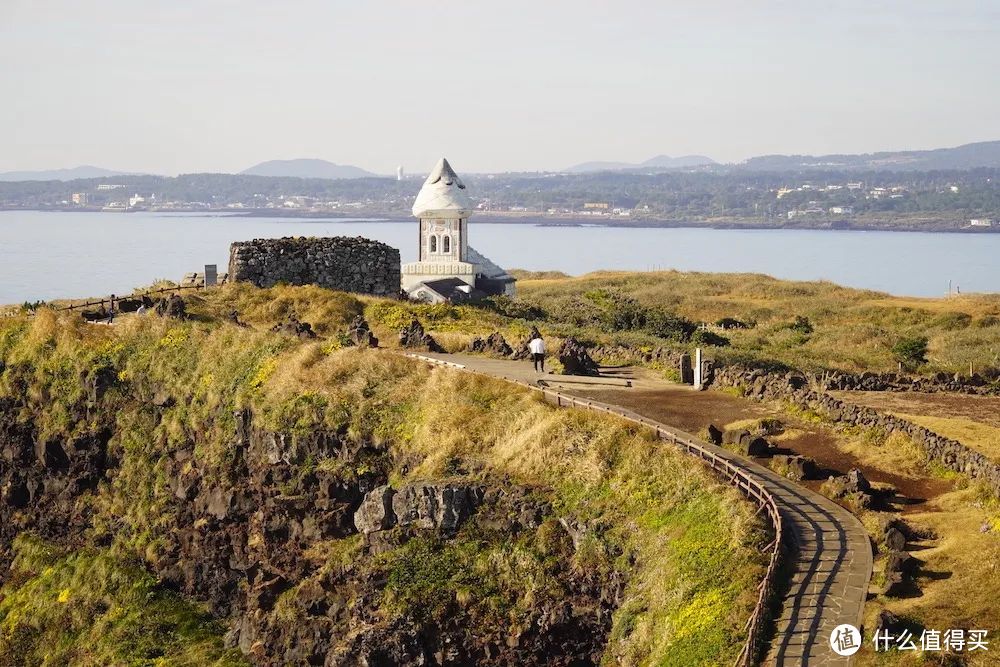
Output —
<point x="50" y="255"/>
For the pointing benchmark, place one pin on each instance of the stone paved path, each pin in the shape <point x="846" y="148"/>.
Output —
<point x="830" y="557"/>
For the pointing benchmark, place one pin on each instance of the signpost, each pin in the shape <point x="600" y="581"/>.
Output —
<point x="211" y="275"/>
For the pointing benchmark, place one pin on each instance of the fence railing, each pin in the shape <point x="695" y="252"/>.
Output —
<point x="745" y="482"/>
<point x="735" y="475"/>
<point x="108" y="300"/>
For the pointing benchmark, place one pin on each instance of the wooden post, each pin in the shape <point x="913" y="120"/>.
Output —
<point x="697" y="369"/>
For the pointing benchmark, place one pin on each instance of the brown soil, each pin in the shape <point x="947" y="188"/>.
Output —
<point x="693" y="411"/>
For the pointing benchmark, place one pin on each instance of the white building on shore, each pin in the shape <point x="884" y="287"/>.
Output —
<point x="447" y="268"/>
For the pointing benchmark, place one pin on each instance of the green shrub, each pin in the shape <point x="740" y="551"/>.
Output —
<point x="911" y="352"/>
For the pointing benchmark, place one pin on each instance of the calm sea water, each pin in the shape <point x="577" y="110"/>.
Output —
<point x="50" y="255"/>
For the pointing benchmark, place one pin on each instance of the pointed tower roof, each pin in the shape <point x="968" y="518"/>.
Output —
<point x="443" y="193"/>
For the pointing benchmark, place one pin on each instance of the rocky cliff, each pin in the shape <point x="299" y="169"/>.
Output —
<point x="222" y="489"/>
<point x="329" y="564"/>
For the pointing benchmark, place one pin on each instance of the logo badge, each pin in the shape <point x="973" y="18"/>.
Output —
<point x="845" y="639"/>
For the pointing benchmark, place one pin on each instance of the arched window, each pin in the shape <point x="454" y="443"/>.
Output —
<point x="434" y="243"/>
<point x="446" y="246"/>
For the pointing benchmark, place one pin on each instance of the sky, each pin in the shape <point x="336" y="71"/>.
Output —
<point x="220" y="85"/>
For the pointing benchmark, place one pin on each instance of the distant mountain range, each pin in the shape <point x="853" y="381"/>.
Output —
<point x="658" y="162"/>
<point x="84" y="171"/>
<point x="307" y="168"/>
<point x="968" y="156"/>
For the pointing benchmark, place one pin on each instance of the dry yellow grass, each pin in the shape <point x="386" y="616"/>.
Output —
<point x="895" y="454"/>
<point x="983" y="438"/>
<point x="957" y="578"/>
<point x="972" y="420"/>
<point x="853" y="329"/>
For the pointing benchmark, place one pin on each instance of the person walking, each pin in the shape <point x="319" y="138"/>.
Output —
<point x="537" y="348"/>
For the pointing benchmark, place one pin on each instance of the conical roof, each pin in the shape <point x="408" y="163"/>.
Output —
<point x="444" y="193"/>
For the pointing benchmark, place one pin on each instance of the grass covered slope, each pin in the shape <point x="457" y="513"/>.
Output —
<point x="88" y="607"/>
<point x="851" y="329"/>
<point x="683" y="545"/>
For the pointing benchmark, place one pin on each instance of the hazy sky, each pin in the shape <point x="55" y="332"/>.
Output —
<point x="219" y="85"/>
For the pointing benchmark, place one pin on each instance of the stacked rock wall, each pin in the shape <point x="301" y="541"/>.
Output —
<point x="795" y="388"/>
<point x="940" y="382"/>
<point x="350" y="264"/>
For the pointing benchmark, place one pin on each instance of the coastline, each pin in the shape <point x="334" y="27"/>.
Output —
<point x="543" y="220"/>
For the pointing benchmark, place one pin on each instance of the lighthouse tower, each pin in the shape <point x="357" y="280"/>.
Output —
<point x="447" y="269"/>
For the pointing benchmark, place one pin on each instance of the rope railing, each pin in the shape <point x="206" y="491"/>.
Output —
<point x="744" y="481"/>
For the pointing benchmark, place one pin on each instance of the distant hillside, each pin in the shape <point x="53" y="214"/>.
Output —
<point x="969" y="156"/>
<point x="306" y="168"/>
<point x="658" y="162"/>
<point x="83" y="171"/>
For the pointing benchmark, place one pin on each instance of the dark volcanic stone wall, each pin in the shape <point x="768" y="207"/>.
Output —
<point x="795" y="388"/>
<point x="350" y="264"/>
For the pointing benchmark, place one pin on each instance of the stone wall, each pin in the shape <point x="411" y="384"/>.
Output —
<point x="985" y="383"/>
<point x="350" y="264"/>
<point x="796" y="389"/>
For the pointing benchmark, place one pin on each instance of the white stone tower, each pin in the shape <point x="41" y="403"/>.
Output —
<point x="443" y="208"/>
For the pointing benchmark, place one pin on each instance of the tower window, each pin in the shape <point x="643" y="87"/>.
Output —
<point x="446" y="246"/>
<point x="434" y="244"/>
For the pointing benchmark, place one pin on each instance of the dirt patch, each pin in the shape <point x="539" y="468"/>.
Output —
<point x="680" y="406"/>
<point x="693" y="411"/>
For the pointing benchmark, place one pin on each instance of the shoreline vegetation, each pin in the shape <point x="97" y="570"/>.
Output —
<point x="903" y="224"/>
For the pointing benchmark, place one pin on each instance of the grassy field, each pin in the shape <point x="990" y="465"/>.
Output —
<point x="806" y="325"/>
<point x="851" y="329"/>
<point x="957" y="567"/>
<point x="972" y="420"/>
<point x="686" y="544"/>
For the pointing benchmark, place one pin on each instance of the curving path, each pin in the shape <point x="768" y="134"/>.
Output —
<point x="829" y="557"/>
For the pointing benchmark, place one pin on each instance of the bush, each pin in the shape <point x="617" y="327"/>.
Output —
<point x="664" y="324"/>
<point x="513" y="308"/>
<point x="619" y="312"/>
<point x="708" y="338"/>
<point x="911" y="352"/>
<point x="802" y="325"/>
<point x="733" y="323"/>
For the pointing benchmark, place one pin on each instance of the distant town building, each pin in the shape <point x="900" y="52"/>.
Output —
<point x="111" y="186"/>
<point x="447" y="268"/>
<point x="81" y="198"/>
<point x="597" y="205"/>
<point x="981" y="222"/>
<point x="812" y="210"/>
<point x="841" y="210"/>
<point x="135" y="200"/>
<point x="858" y="185"/>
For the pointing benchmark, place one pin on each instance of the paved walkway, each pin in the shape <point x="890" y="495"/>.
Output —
<point x="830" y="557"/>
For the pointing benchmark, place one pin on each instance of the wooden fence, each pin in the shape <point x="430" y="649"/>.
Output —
<point x="110" y="301"/>
<point x="744" y="481"/>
